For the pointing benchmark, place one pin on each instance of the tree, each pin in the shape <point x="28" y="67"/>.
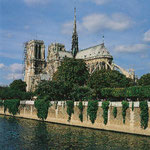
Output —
<point x="81" y="93"/>
<point x="18" y="85"/>
<point x="144" y="80"/>
<point x="72" y="71"/>
<point x="52" y="89"/>
<point x="107" y="78"/>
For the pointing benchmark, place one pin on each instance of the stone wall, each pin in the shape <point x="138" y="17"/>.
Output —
<point x="59" y="115"/>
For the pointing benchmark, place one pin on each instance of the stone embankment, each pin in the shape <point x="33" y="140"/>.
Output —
<point x="58" y="114"/>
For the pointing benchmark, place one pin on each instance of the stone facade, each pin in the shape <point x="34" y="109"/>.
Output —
<point x="37" y="68"/>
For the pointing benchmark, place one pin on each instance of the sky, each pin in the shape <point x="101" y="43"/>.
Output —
<point x="124" y="23"/>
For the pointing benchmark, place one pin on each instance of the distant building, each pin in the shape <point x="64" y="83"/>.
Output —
<point x="38" y="68"/>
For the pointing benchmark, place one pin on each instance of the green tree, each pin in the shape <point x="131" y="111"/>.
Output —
<point x="81" y="93"/>
<point x="144" y="80"/>
<point x="12" y="105"/>
<point x="18" y="85"/>
<point x="42" y="106"/>
<point x="72" y="71"/>
<point x="107" y="78"/>
<point x="53" y="90"/>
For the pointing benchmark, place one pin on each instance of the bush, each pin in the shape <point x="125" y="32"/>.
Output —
<point x="81" y="93"/>
<point x="144" y="114"/>
<point x="125" y="106"/>
<point x="107" y="79"/>
<point x="81" y="111"/>
<point x="42" y="106"/>
<point x="105" y="106"/>
<point x="115" y="112"/>
<point x="70" y="109"/>
<point x="133" y="92"/>
<point x="144" y="80"/>
<point x="1" y="103"/>
<point x="12" y="106"/>
<point x="55" y="91"/>
<point x="18" y="85"/>
<point x="92" y="110"/>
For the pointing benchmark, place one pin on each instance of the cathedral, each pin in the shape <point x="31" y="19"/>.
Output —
<point x="38" y="68"/>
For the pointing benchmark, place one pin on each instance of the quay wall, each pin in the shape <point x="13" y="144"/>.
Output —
<point x="57" y="114"/>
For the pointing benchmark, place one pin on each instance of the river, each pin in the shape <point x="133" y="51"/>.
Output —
<point x="24" y="134"/>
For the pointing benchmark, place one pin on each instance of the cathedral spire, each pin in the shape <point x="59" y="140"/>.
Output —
<point x="75" y="26"/>
<point x="74" y="48"/>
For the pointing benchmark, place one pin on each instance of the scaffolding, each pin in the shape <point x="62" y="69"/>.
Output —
<point x="24" y="58"/>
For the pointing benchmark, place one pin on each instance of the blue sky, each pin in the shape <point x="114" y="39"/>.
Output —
<point x="125" y="24"/>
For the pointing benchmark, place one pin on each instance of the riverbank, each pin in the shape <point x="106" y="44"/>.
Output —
<point x="57" y="114"/>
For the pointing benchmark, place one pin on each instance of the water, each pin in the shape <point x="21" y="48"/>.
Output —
<point x="23" y="134"/>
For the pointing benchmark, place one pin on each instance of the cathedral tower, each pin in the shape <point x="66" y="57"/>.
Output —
<point x="34" y="62"/>
<point x="74" y="48"/>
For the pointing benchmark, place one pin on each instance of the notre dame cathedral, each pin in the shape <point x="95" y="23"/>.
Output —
<point x="38" y="68"/>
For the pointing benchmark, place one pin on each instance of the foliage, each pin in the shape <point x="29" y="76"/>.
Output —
<point x="117" y="93"/>
<point x="144" y="114"/>
<point x="125" y="106"/>
<point x="12" y="105"/>
<point x="107" y="78"/>
<point x="105" y="106"/>
<point x="18" y="85"/>
<point x="53" y="90"/>
<point x="133" y="92"/>
<point x="8" y="93"/>
<point x="1" y="103"/>
<point x="81" y="111"/>
<point x="144" y="80"/>
<point x="81" y="93"/>
<point x="70" y="109"/>
<point x="92" y="110"/>
<point x="132" y="106"/>
<point x="42" y="106"/>
<point x="115" y="112"/>
<point x="72" y="71"/>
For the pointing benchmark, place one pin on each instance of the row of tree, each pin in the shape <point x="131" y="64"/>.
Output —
<point x="72" y="81"/>
<point x="16" y="90"/>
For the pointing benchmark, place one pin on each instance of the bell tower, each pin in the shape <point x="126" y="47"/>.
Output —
<point x="34" y="61"/>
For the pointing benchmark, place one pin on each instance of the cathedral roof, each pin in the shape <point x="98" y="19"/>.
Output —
<point x="63" y="54"/>
<point x="94" y="52"/>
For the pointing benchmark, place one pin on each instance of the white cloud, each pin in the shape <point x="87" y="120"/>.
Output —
<point x="131" y="48"/>
<point x="96" y="22"/>
<point x="33" y="2"/>
<point x="2" y="66"/>
<point x="147" y="36"/>
<point x="67" y="27"/>
<point x="16" y="67"/>
<point x="26" y="27"/>
<point x="14" y="76"/>
<point x="100" y="2"/>
<point x="12" y="72"/>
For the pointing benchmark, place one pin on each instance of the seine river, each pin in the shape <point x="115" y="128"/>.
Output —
<point x="23" y="134"/>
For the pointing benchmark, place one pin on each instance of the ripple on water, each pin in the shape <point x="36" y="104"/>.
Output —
<point x="23" y="134"/>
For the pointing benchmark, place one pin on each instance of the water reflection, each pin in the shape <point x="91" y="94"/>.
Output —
<point x="23" y="134"/>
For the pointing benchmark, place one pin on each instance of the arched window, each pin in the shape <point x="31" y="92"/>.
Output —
<point x="39" y="53"/>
